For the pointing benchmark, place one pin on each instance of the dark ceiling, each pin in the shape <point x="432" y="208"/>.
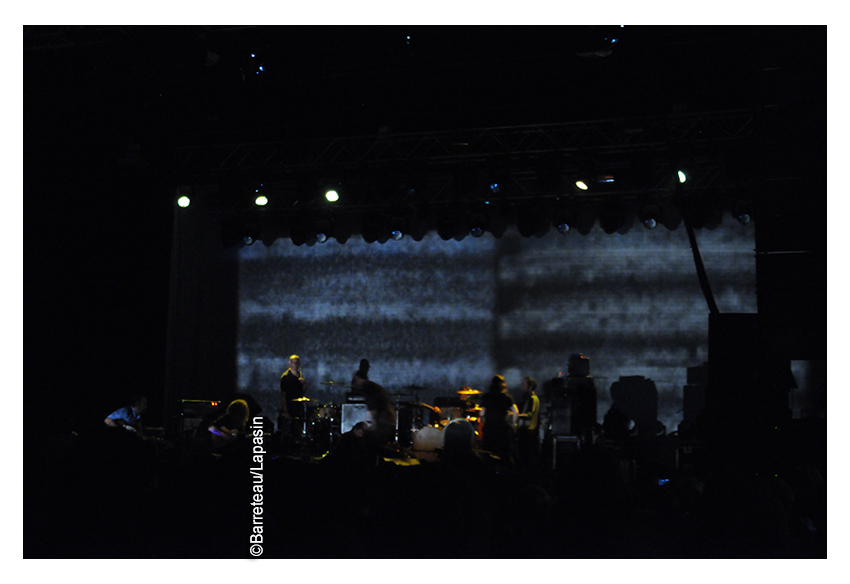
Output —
<point x="128" y="98"/>
<point x="188" y="82"/>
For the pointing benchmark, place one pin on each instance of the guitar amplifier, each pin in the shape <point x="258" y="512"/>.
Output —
<point x="194" y="411"/>
<point x="561" y="420"/>
<point x="352" y="414"/>
<point x="198" y="408"/>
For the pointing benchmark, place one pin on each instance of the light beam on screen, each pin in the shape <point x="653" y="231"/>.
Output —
<point x="443" y="315"/>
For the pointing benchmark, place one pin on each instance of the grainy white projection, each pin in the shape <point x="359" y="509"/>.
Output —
<point x="443" y="315"/>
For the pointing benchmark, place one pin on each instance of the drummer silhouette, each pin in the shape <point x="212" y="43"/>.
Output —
<point x="292" y="398"/>
<point x="360" y="377"/>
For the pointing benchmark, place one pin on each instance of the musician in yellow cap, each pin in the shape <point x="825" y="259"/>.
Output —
<point x="528" y="441"/>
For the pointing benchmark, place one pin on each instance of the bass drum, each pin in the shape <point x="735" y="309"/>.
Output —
<point x="427" y="442"/>
<point x="328" y="411"/>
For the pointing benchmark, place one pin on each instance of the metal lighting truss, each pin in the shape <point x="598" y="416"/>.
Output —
<point x="700" y="142"/>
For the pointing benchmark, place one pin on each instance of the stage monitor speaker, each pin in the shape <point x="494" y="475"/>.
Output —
<point x="561" y="421"/>
<point x="198" y="408"/>
<point x="698" y="375"/>
<point x="693" y="402"/>
<point x="564" y="448"/>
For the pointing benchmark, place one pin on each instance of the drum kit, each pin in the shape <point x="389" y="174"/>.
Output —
<point x="428" y="440"/>
<point x="419" y="426"/>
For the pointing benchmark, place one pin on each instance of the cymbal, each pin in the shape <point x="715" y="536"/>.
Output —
<point x="469" y="391"/>
<point x="331" y="382"/>
<point x="302" y="399"/>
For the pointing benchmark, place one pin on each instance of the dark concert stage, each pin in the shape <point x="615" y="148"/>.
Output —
<point x="635" y="217"/>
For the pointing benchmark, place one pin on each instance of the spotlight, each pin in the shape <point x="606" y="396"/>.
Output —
<point x="332" y="196"/>
<point x="258" y="194"/>
<point x="581" y="184"/>
<point x="682" y="176"/>
<point x="477" y="220"/>
<point x="649" y="218"/>
<point x="324" y="229"/>
<point x="563" y="220"/>
<point x="398" y="227"/>
<point x="183" y="202"/>
<point x="742" y="212"/>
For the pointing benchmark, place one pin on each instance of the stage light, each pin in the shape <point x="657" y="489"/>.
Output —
<point x="649" y="218"/>
<point x="494" y="187"/>
<point x="183" y="202"/>
<point x="581" y="184"/>
<point x="562" y="219"/>
<point x="682" y="176"/>
<point x="259" y="195"/>
<point x="325" y="229"/>
<point x="742" y="212"/>
<point x="332" y="196"/>
<point x="398" y="226"/>
<point x="477" y="220"/>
